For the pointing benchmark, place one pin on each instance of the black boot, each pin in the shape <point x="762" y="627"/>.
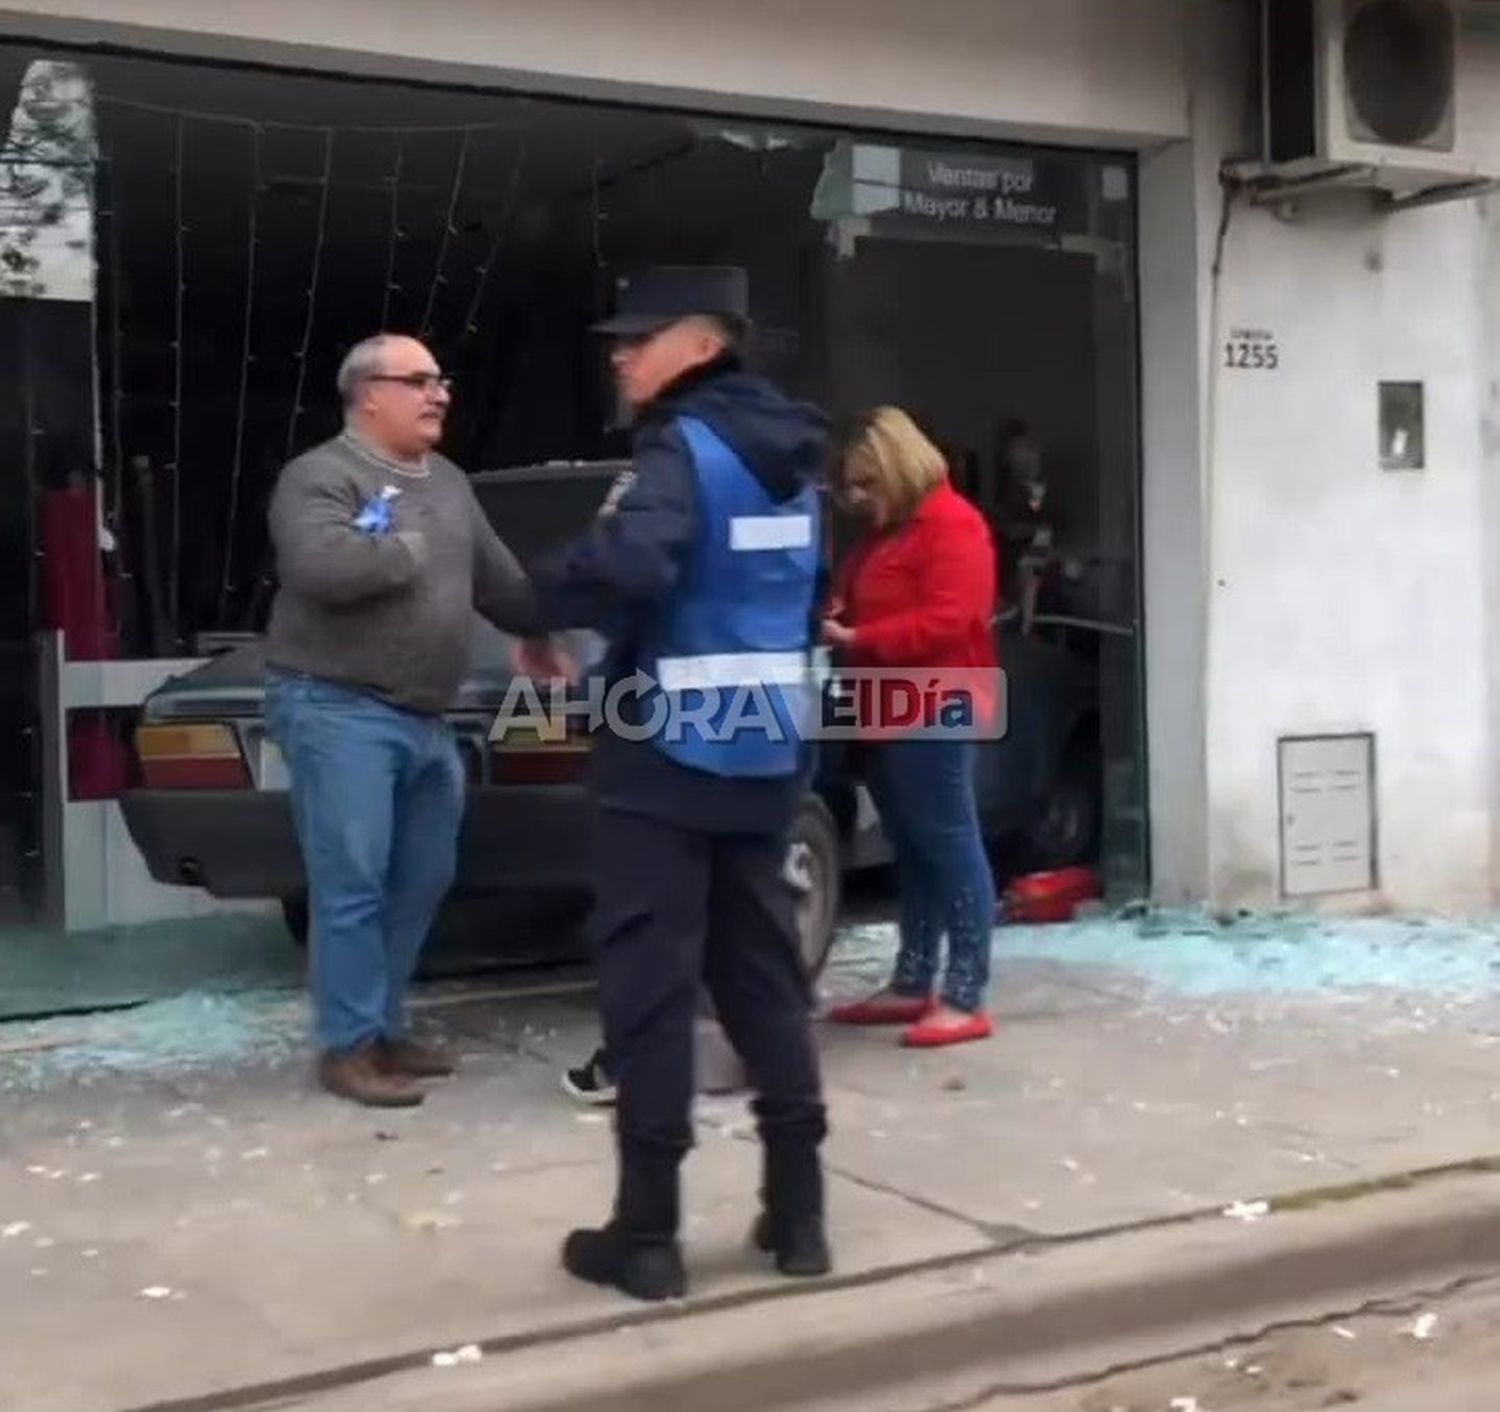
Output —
<point x="791" y="1225"/>
<point x="637" y="1252"/>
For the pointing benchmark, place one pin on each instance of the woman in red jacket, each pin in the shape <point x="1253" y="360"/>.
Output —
<point x="915" y="600"/>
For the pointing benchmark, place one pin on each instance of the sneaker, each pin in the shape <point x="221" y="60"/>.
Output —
<point x="589" y="1083"/>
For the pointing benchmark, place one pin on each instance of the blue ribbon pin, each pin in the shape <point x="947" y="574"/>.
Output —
<point x="375" y="517"/>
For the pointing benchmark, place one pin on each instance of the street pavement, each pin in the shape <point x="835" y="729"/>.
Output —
<point x="183" y="1216"/>
<point x="1428" y="1356"/>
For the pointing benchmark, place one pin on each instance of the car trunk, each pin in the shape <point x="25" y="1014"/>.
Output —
<point x="206" y="729"/>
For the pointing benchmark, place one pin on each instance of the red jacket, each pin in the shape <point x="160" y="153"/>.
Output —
<point x="923" y="595"/>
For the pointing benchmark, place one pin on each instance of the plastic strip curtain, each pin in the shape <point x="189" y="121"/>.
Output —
<point x="438" y="277"/>
<point x="256" y="268"/>
<point x="174" y="573"/>
<point x="236" y="469"/>
<point x="312" y="294"/>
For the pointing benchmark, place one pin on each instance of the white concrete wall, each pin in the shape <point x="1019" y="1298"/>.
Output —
<point x="1340" y="597"/>
<point x="1347" y="598"/>
<point x="1068" y="69"/>
<point x="1489" y="430"/>
<point x="1179" y="213"/>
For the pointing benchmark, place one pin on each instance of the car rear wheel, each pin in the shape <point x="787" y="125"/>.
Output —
<point x="813" y="871"/>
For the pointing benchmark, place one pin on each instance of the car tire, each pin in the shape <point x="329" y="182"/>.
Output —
<point x="813" y="868"/>
<point x="1067" y="829"/>
<point x="814" y="871"/>
<point x="294" y="914"/>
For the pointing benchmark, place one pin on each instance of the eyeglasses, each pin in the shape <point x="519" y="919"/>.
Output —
<point x="423" y="382"/>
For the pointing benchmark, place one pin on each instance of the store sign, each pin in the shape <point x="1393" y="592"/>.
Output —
<point x="990" y="190"/>
<point x="1011" y="192"/>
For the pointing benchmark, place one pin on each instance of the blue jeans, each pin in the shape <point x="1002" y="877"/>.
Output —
<point x="924" y="790"/>
<point x="377" y="798"/>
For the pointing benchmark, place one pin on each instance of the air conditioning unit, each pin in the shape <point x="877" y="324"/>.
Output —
<point x="1402" y="96"/>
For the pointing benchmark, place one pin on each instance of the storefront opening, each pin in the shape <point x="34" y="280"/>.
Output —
<point x="250" y="226"/>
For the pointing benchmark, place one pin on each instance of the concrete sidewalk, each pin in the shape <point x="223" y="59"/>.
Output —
<point x="182" y="1216"/>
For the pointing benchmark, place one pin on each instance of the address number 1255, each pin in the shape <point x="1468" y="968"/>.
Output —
<point x="1247" y="353"/>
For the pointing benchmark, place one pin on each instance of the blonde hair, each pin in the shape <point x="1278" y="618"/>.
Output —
<point x="901" y="462"/>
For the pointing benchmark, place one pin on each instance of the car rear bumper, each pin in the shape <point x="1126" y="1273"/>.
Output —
<point x="241" y="843"/>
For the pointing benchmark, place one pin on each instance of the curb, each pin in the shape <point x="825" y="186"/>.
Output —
<point x="1026" y="1318"/>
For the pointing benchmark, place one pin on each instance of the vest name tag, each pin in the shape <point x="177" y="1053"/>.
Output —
<point x="752" y="532"/>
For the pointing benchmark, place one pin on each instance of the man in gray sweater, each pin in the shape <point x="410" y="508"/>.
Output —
<point x="383" y="554"/>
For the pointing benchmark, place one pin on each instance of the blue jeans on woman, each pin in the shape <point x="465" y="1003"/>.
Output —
<point x="924" y="790"/>
<point x="377" y="799"/>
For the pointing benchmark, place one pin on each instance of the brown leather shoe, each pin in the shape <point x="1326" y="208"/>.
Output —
<point x="408" y="1059"/>
<point x="358" y="1077"/>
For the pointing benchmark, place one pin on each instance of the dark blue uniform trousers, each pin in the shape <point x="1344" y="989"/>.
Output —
<point x="676" y="910"/>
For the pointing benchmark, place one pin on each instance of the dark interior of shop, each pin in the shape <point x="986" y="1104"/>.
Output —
<point x="251" y="226"/>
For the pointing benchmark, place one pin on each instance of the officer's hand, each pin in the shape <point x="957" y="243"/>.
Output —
<point x="836" y="634"/>
<point x="544" y="658"/>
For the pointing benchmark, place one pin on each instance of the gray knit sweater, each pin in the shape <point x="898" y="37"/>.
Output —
<point x="388" y="612"/>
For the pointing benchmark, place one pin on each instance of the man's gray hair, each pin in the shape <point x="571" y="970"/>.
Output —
<point x="360" y="362"/>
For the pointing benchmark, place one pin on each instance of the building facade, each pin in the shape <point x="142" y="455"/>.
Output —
<point x="1290" y="388"/>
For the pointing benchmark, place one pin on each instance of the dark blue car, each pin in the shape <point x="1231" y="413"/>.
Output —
<point x="211" y="811"/>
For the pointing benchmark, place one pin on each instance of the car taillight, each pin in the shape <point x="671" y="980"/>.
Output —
<point x="190" y="757"/>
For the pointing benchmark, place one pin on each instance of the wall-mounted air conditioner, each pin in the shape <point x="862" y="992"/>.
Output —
<point x="1398" y="95"/>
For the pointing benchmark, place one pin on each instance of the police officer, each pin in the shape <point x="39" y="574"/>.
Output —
<point x="707" y="575"/>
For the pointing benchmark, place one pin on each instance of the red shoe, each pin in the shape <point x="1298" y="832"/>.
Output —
<point x="883" y="1012"/>
<point x="921" y="1036"/>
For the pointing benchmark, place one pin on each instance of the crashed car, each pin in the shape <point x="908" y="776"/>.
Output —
<point x="210" y="807"/>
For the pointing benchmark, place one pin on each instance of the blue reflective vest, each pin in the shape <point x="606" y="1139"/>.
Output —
<point x="731" y="682"/>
